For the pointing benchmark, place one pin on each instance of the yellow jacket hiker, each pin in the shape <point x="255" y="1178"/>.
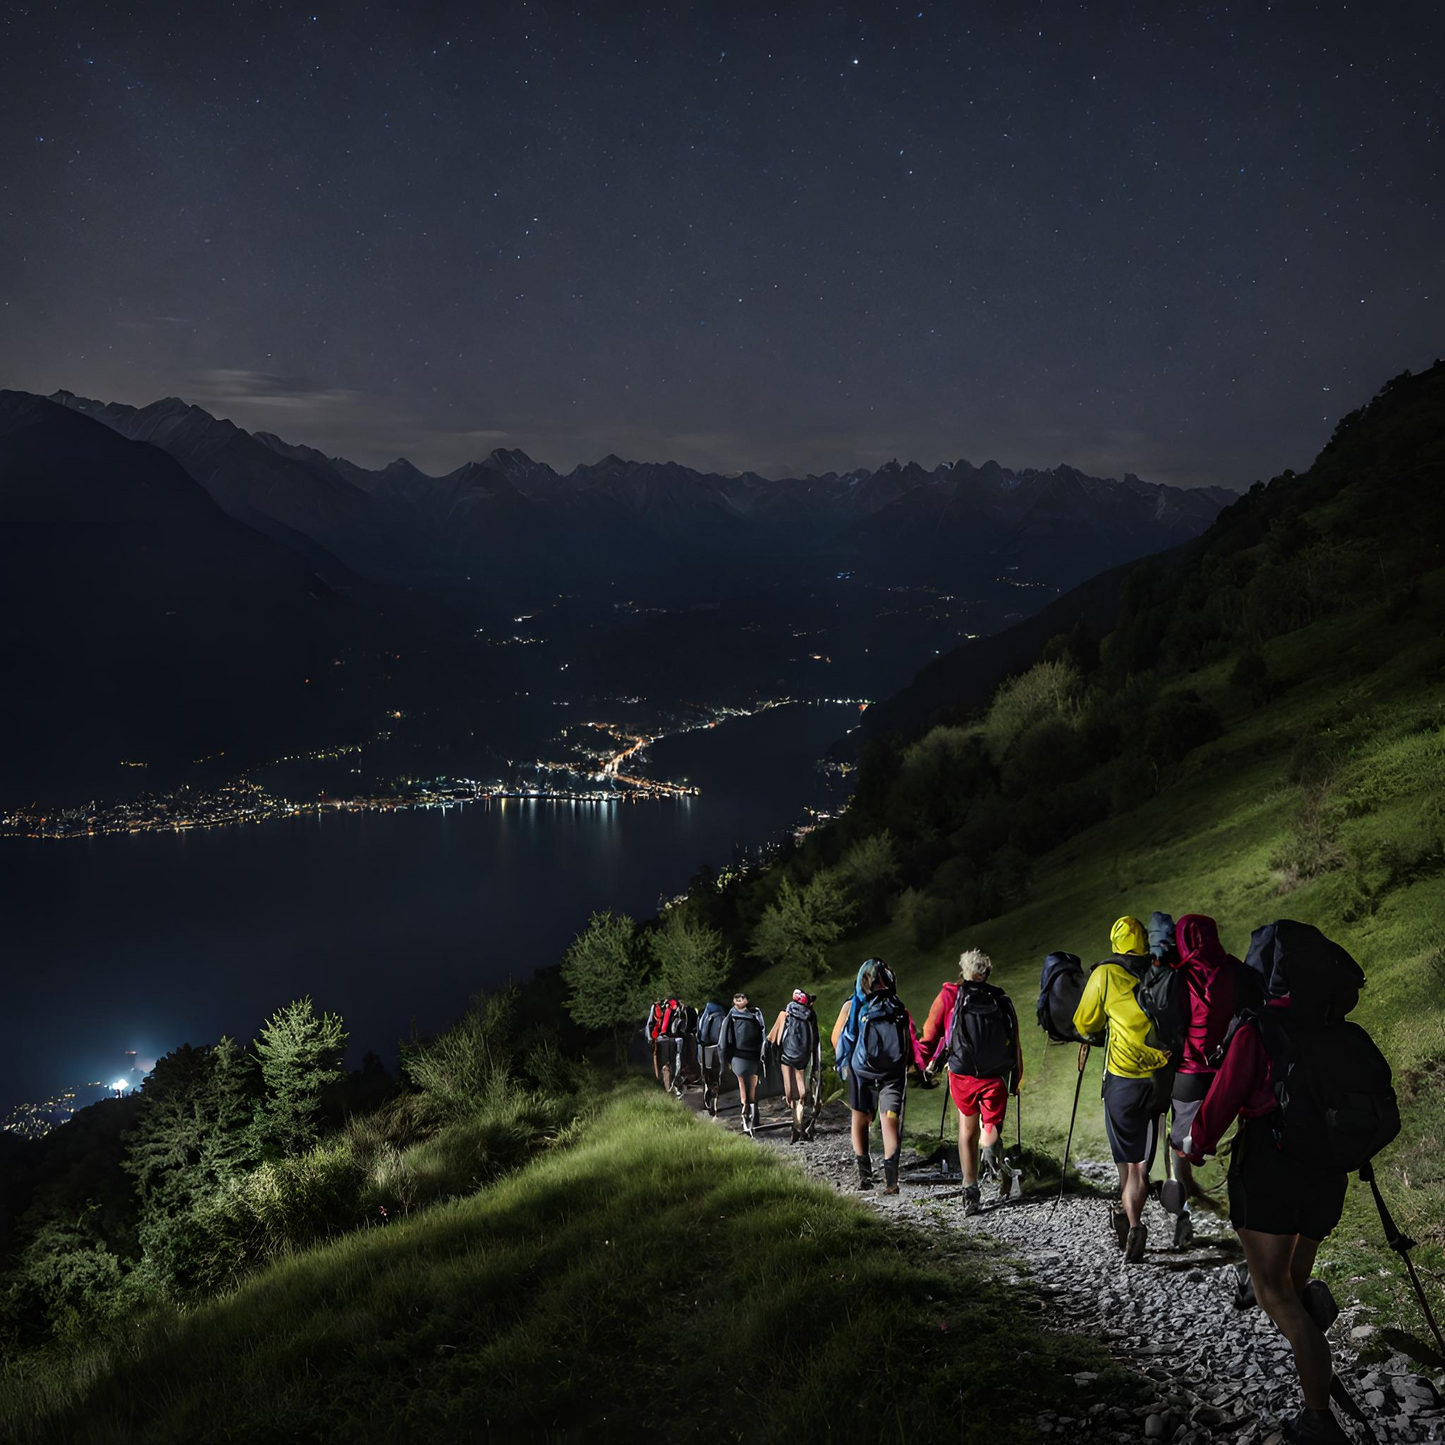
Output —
<point x="1109" y="1000"/>
<point x="1131" y="1110"/>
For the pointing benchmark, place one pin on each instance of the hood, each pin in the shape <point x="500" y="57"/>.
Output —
<point x="1199" y="943"/>
<point x="1128" y="936"/>
<point x="866" y="974"/>
<point x="1320" y="979"/>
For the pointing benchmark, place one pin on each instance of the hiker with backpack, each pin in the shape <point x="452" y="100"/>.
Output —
<point x="740" y="1048"/>
<point x="978" y="1041"/>
<point x="1131" y="1100"/>
<point x="669" y="1025"/>
<point x="874" y="1043"/>
<point x="1314" y="1099"/>
<point x="1210" y="979"/>
<point x="709" y="1032"/>
<point x="797" y="1037"/>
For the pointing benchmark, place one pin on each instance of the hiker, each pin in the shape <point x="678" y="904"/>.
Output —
<point x="874" y="1042"/>
<point x="796" y="1034"/>
<point x="665" y="1026"/>
<point x="1131" y="1108"/>
<point x="978" y="1038"/>
<point x="740" y="1048"/>
<point x="1289" y="1164"/>
<point x="1209" y="975"/>
<point x="709" y="1031"/>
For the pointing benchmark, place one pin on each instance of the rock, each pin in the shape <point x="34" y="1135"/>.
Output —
<point x="1154" y="1427"/>
<point x="1362" y="1332"/>
<point x="1375" y="1398"/>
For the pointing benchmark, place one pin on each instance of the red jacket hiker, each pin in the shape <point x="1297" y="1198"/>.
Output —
<point x="1209" y="973"/>
<point x="1243" y="1089"/>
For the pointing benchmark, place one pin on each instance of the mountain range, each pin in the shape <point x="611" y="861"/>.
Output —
<point x="515" y="520"/>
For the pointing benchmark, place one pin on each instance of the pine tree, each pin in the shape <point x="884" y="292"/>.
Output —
<point x="797" y="928"/>
<point x="300" y="1053"/>
<point x="690" y="961"/>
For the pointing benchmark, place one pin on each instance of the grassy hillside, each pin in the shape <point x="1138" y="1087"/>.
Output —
<point x="656" y="1270"/>
<point x="1305" y="630"/>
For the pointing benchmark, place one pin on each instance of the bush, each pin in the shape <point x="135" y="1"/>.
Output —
<point x="459" y="1071"/>
<point x="1046" y="690"/>
<point x="1178" y="724"/>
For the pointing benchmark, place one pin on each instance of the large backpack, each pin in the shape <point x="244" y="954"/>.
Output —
<point x="1163" y="994"/>
<point x="672" y="1021"/>
<point x="881" y="1045"/>
<point x="1337" y="1106"/>
<point x="747" y="1033"/>
<point x="983" y="1037"/>
<point x="709" y="1024"/>
<point x="1061" y="986"/>
<point x="1162" y="943"/>
<point x="800" y="1035"/>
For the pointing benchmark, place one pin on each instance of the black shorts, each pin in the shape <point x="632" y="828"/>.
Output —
<point x="1189" y="1094"/>
<point x="1270" y="1194"/>
<point x="869" y="1096"/>
<point x="1131" y="1119"/>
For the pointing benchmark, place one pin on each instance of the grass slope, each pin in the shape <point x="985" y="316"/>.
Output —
<point x="656" y="1271"/>
<point x="1367" y="697"/>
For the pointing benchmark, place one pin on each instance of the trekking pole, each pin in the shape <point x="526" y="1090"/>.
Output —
<point x="1402" y="1244"/>
<point x="1016" y="1184"/>
<point x="1078" y="1088"/>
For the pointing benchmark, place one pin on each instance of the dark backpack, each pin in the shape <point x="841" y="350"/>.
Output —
<point x="881" y="1047"/>
<point x="1061" y="986"/>
<point x="800" y="1035"/>
<point x="1337" y="1106"/>
<point x="1162" y="944"/>
<point x="709" y="1024"/>
<point x="674" y="1021"/>
<point x="1163" y="994"/>
<point x="747" y="1033"/>
<point x="983" y="1038"/>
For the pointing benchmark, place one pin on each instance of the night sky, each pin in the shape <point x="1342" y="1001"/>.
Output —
<point x="1174" y="239"/>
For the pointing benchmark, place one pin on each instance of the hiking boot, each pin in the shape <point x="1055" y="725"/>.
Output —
<point x="1319" y="1303"/>
<point x="808" y="1129"/>
<point x="1119" y="1223"/>
<point x="972" y="1203"/>
<point x="1315" y="1427"/>
<point x="1134" y="1243"/>
<point x="1183" y="1231"/>
<point x="797" y="1133"/>
<point x="747" y="1120"/>
<point x="709" y="1102"/>
<point x="890" y="1175"/>
<point x="865" y="1171"/>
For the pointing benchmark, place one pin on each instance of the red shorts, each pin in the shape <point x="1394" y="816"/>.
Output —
<point x="987" y="1097"/>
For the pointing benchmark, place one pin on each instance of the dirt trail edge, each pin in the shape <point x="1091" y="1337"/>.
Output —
<point x="1212" y="1372"/>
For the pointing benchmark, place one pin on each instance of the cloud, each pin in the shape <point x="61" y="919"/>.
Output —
<point x="238" y="386"/>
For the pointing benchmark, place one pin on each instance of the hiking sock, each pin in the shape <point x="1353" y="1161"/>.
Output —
<point x="890" y="1174"/>
<point x="865" y="1171"/>
<point x="1134" y="1244"/>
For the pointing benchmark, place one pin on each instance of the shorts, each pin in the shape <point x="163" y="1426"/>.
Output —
<point x="745" y="1068"/>
<point x="1269" y="1194"/>
<point x="870" y="1096"/>
<point x="987" y="1098"/>
<point x="1131" y="1119"/>
<point x="1189" y="1092"/>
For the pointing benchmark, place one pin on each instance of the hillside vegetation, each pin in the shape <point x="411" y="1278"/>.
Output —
<point x="657" y="1270"/>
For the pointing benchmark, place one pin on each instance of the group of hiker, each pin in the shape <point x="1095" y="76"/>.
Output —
<point x="1192" y="1036"/>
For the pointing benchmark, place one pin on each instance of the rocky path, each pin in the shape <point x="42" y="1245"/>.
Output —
<point x="1212" y="1372"/>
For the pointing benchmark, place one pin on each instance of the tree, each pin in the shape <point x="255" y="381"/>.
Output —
<point x="869" y="871"/>
<point x="797" y="928"/>
<point x="194" y="1131"/>
<point x="690" y="961"/>
<point x="300" y="1054"/>
<point x="605" y="970"/>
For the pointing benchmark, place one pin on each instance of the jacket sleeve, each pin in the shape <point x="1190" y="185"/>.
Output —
<point x="1089" y="1017"/>
<point x="1244" y="1070"/>
<point x="933" y="1024"/>
<point x="920" y="1061"/>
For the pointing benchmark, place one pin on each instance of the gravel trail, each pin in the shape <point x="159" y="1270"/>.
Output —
<point x="1212" y="1372"/>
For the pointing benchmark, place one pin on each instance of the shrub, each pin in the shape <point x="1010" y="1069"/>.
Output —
<point x="1178" y="724"/>
<point x="1046" y="690"/>
<point x="460" y="1070"/>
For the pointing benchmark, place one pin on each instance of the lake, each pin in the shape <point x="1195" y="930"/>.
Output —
<point x="151" y="940"/>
